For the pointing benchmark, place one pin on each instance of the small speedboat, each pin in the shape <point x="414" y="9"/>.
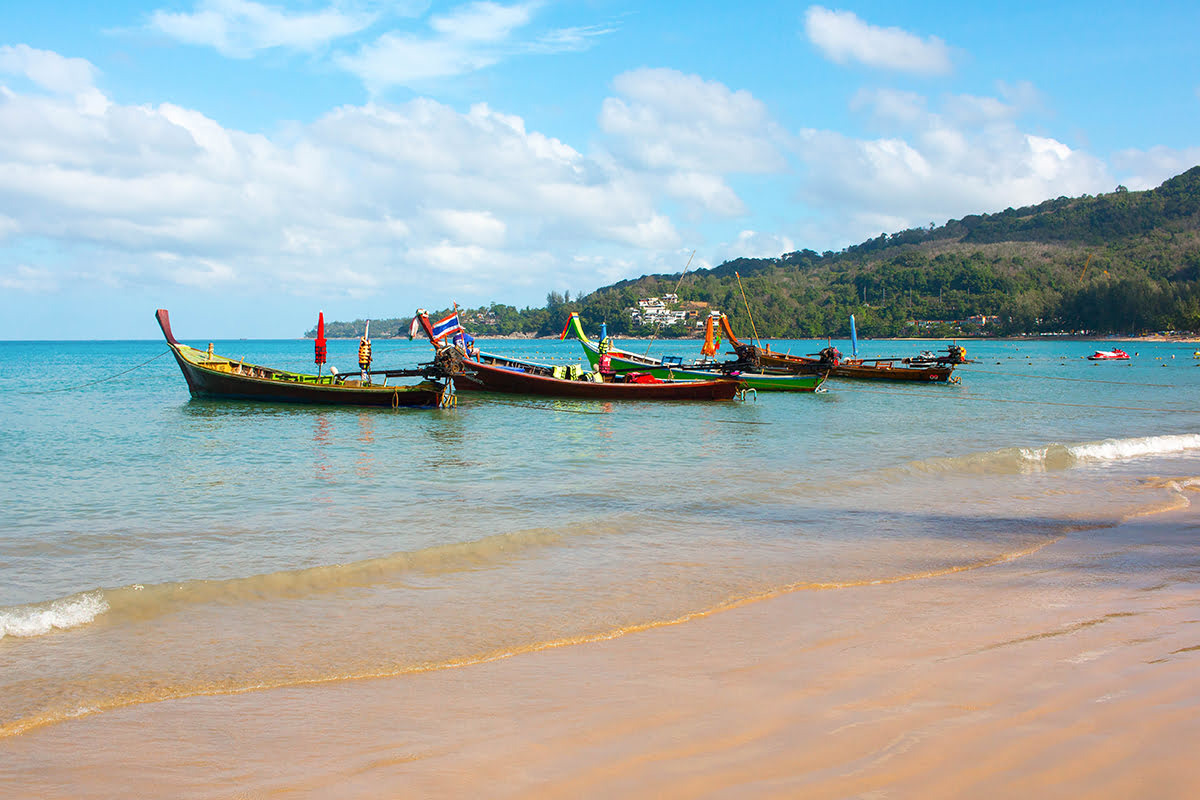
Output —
<point x="1109" y="355"/>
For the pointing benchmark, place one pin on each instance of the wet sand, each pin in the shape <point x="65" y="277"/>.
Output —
<point x="1073" y="671"/>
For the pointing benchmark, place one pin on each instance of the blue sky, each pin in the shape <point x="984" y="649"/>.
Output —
<point x="246" y="164"/>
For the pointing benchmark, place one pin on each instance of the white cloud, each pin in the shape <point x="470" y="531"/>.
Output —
<point x="241" y="28"/>
<point x="1146" y="169"/>
<point x="475" y="227"/>
<point x="403" y="60"/>
<point x="972" y="158"/>
<point x="482" y="21"/>
<point x="30" y="280"/>
<point x="48" y="70"/>
<point x="693" y="132"/>
<point x="569" y="39"/>
<point x="469" y="38"/>
<point x="890" y="106"/>
<point x="972" y="110"/>
<point x="757" y="244"/>
<point x="1023" y="96"/>
<point x="844" y="38"/>
<point x="367" y="199"/>
<point x="709" y="191"/>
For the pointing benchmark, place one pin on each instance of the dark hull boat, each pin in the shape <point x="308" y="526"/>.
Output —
<point x="890" y="370"/>
<point x="623" y="361"/>
<point x="489" y="374"/>
<point x="485" y="372"/>
<point x="882" y="369"/>
<point x="216" y="377"/>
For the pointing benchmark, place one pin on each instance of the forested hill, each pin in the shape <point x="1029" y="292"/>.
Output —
<point x="1123" y="262"/>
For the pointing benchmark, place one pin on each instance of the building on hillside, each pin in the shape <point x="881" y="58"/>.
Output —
<point x="656" y="311"/>
<point x="982" y="320"/>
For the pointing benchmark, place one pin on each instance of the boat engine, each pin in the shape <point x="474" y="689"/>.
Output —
<point x="748" y="360"/>
<point x="830" y="355"/>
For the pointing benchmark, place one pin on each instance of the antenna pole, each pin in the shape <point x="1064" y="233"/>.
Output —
<point x="753" y="329"/>
<point x="677" y="284"/>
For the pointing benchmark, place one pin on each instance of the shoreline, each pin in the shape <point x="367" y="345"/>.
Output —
<point x="1018" y="677"/>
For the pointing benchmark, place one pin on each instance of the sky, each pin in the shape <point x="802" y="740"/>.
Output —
<point x="247" y="164"/>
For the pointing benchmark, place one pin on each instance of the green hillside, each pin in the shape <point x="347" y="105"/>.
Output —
<point x="1124" y="262"/>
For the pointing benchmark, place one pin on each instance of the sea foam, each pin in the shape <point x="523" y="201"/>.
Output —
<point x="1056" y="456"/>
<point x="1117" y="449"/>
<point x="38" y="619"/>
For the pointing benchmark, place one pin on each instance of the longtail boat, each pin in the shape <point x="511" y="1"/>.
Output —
<point x="670" y="368"/>
<point x="213" y="376"/>
<point x="485" y="372"/>
<point x="885" y="369"/>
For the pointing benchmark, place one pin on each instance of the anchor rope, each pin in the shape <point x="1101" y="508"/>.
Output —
<point x="102" y="380"/>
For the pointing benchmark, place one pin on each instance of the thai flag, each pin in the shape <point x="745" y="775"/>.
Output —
<point x="446" y="326"/>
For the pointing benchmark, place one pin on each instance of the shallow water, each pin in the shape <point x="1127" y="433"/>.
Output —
<point x="155" y="546"/>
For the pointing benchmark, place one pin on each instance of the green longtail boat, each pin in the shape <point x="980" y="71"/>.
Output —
<point x="622" y="361"/>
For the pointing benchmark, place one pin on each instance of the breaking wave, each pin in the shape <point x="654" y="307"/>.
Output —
<point x="1016" y="460"/>
<point x="1116" y="449"/>
<point x="37" y="619"/>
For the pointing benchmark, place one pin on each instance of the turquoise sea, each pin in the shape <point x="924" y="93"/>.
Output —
<point x="153" y="546"/>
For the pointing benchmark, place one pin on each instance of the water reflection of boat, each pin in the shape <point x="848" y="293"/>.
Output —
<point x="214" y="376"/>
<point x="1109" y="355"/>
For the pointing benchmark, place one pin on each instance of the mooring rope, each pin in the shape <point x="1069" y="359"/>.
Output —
<point x="102" y="380"/>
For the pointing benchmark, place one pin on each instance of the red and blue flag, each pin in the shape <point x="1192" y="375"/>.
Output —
<point x="446" y="326"/>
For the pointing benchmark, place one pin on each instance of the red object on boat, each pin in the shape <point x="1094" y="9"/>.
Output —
<point x="1109" y="355"/>
<point x="319" y="346"/>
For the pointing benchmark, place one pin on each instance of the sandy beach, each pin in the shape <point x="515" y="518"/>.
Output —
<point x="1069" y="671"/>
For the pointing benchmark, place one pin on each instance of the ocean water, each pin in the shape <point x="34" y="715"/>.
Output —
<point x="153" y="546"/>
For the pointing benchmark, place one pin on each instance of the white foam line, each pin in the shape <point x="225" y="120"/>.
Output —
<point x="39" y="619"/>
<point x="1115" y="449"/>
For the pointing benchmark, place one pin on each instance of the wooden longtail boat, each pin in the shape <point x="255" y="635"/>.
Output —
<point x="213" y="376"/>
<point x="623" y="361"/>
<point x="491" y="374"/>
<point x="879" y="369"/>
<point x="485" y="372"/>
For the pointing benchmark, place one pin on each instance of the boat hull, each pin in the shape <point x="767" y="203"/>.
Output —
<point x="216" y="377"/>
<point x="867" y="372"/>
<point x="760" y="382"/>
<point x="621" y="361"/>
<point x="889" y="373"/>
<point x="476" y="376"/>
